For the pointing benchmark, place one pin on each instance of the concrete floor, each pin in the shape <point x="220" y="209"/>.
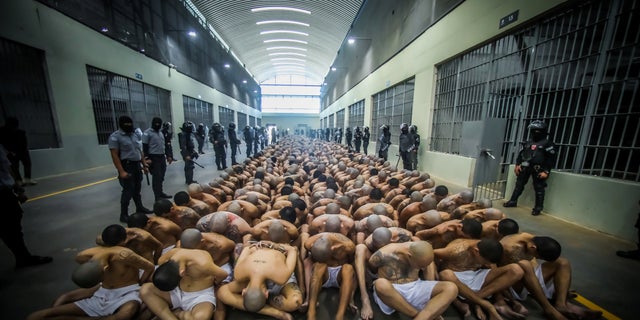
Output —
<point x="62" y="224"/>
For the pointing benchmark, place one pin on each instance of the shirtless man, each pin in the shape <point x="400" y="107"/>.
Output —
<point x="182" y="286"/>
<point x="164" y="230"/>
<point x="260" y="268"/>
<point x="120" y="281"/>
<point x="218" y="246"/>
<point x="196" y="191"/>
<point x="141" y="242"/>
<point x="424" y="221"/>
<point x="245" y="209"/>
<point x="496" y="229"/>
<point x="453" y="201"/>
<point x="418" y="204"/>
<point x="375" y="208"/>
<point x="487" y="214"/>
<point x="546" y="274"/>
<point x="441" y="235"/>
<point x="399" y="288"/>
<point x="276" y="230"/>
<point x="225" y="223"/>
<point x="184" y="217"/>
<point x="182" y="198"/>
<point x="366" y="226"/>
<point x="464" y="261"/>
<point x="331" y="255"/>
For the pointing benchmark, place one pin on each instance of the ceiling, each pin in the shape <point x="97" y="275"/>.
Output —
<point x="313" y="33"/>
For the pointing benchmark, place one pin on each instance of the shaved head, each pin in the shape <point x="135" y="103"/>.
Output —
<point x="194" y="189"/>
<point x="416" y="196"/>
<point x="380" y="209"/>
<point x="373" y="222"/>
<point x="277" y="233"/>
<point x="432" y="218"/>
<point x="332" y="208"/>
<point x="88" y="274"/>
<point x="190" y="238"/>
<point x="235" y="207"/>
<point x="429" y="202"/>
<point x="381" y="237"/>
<point x="333" y="224"/>
<point x="493" y="214"/>
<point x="321" y="250"/>
<point x="219" y="223"/>
<point x="466" y="196"/>
<point x="422" y="250"/>
<point x="253" y="198"/>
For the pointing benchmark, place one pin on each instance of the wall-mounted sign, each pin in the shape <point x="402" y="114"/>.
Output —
<point x="509" y="19"/>
<point x="138" y="76"/>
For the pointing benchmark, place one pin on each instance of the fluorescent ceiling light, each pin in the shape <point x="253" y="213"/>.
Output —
<point x="334" y="68"/>
<point x="288" y="64"/>
<point x="287" y="54"/>
<point x="285" y="31"/>
<point x="244" y="81"/>
<point x="192" y="33"/>
<point x="285" y="40"/>
<point x="226" y="65"/>
<point x="286" y="48"/>
<point x="351" y="40"/>
<point x="280" y="9"/>
<point x="282" y="21"/>
<point x="288" y="59"/>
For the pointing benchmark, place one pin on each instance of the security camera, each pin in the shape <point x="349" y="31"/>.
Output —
<point x="172" y="66"/>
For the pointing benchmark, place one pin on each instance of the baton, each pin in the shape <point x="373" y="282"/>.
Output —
<point x="397" y="162"/>
<point x="199" y="165"/>
<point x="146" y="174"/>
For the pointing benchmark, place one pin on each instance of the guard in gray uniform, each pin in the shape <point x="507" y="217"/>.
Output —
<point x="127" y="155"/>
<point x="535" y="160"/>
<point x="413" y="151"/>
<point x="404" y="144"/>
<point x="157" y="156"/>
<point x="384" y="141"/>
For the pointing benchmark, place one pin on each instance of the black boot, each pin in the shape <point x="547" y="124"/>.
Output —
<point x="537" y="209"/>
<point x="510" y="203"/>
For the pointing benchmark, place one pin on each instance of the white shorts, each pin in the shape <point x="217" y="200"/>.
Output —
<point x="332" y="281"/>
<point x="227" y="267"/>
<point x="417" y="293"/>
<point x="105" y="302"/>
<point x="548" y="288"/>
<point x="167" y="249"/>
<point x="274" y="289"/>
<point x="473" y="279"/>
<point x="187" y="300"/>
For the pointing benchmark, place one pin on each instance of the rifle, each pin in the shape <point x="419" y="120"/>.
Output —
<point x="146" y="174"/>
<point x="197" y="164"/>
<point x="397" y="162"/>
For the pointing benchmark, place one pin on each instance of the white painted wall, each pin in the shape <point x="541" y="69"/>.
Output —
<point x="69" y="46"/>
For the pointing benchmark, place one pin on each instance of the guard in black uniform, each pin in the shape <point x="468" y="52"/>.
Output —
<point x="248" y="138"/>
<point x="216" y="136"/>
<point x="413" y="151"/>
<point x="404" y="144"/>
<point x="200" y="136"/>
<point x="234" y="142"/>
<point x="188" y="150"/>
<point x="535" y="160"/>
<point x="366" y="135"/>
<point x="384" y="141"/>
<point x="349" y="137"/>
<point x="357" y="138"/>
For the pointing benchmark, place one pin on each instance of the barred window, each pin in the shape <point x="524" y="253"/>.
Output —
<point x="331" y="124"/>
<point x="113" y="95"/>
<point x="252" y="121"/>
<point x="356" y="114"/>
<point x="24" y="94"/>
<point x="259" y="121"/>
<point x="392" y="107"/>
<point x="577" y="70"/>
<point x="225" y="115"/>
<point x="197" y="111"/>
<point x="340" y="119"/>
<point x="242" y="121"/>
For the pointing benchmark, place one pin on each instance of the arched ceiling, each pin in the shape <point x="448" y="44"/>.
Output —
<point x="279" y="37"/>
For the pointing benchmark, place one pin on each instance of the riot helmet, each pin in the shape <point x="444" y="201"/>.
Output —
<point x="232" y="126"/>
<point x="538" y="130"/>
<point x="366" y="129"/>
<point x="217" y="127"/>
<point x="384" y="128"/>
<point x="188" y="127"/>
<point x="413" y="129"/>
<point x="357" y="129"/>
<point x="404" y="128"/>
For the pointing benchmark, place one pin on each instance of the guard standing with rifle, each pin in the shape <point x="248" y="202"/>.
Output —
<point x="156" y="156"/>
<point x="216" y="136"/>
<point x="384" y="141"/>
<point x="188" y="150"/>
<point x="248" y="138"/>
<point x="357" y="138"/>
<point x="536" y="159"/>
<point x="366" y="135"/>
<point x="413" y="151"/>
<point x="234" y="142"/>
<point x="349" y="136"/>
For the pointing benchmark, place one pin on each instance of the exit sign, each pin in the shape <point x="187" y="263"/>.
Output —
<point x="509" y="19"/>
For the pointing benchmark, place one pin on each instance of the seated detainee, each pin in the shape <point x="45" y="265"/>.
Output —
<point x="182" y="198"/>
<point x="425" y="220"/>
<point x="182" y="285"/>
<point x="330" y="208"/>
<point x="402" y="199"/>
<point x="218" y="246"/>
<point x="261" y="269"/>
<point x="375" y="208"/>
<point x="460" y="211"/>
<point x="374" y="196"/>
<point x="546" y="275"/>
<point x="441" y="235"/>
<point x="331" y="256"/>
<point x="141" y="242"/>
<point x="196" y="191"/>
<point x="225" y="223"/>
<point x="366" y="226"/>
<point x="496" y="229"/>
<point x="244" y="209"/>
<point x="184" y="217"/>
<point x="413" y="208"/>
<point x="118" y="294"/>
<point x="482" y="215"/>
<point x="453" y="201"/>
<point x="332" y="223"/>
<point x="275" y="230"/>
<point x="164" y="230"/>
<point x="399" y="287"/>
<point x="465" y="262"/>
<point x="439" y="192"/>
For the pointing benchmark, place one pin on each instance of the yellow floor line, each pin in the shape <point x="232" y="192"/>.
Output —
<point x="605" y="314"/>
<point x="70" y="189"/>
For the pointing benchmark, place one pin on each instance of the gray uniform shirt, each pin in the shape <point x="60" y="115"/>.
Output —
<point x="129" y="145"/>
<point x="155" y="140"/>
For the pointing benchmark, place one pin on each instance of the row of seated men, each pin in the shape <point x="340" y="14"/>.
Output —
<point x="269" y="234"/>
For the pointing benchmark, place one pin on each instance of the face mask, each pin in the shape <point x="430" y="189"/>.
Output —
<point x="538" y="135"/>
<point x="127" y="127"/>
<point x="156" y="126"/>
